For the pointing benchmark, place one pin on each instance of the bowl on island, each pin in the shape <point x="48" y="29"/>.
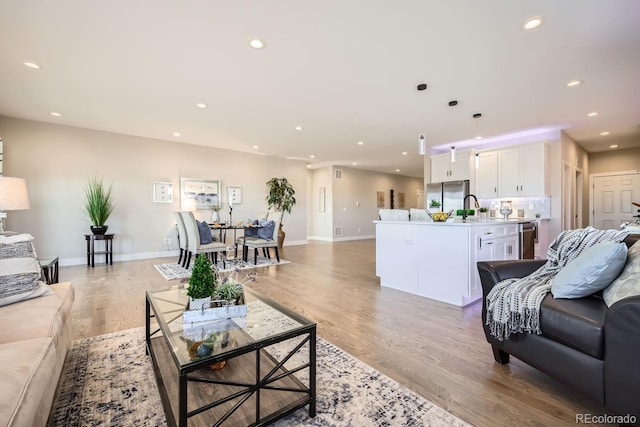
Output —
<point x="439" y="216"/>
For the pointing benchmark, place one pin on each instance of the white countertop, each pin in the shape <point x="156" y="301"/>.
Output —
<point x="468" y="223"/>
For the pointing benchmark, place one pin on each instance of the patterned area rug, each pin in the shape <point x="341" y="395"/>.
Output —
<point x="174" y="271"/>
<point x="107" y="381"/>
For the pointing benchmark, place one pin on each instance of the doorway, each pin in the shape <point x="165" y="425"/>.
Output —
<point x="612" y="197"/>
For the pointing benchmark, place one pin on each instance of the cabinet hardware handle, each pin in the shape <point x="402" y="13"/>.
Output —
<point x="489" y="243"/>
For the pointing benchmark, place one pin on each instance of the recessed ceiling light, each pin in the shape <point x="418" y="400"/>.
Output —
<point x="32" y="65"/>
<point x="397" y="170"/>
<point x="257" y="43"/>
<point x="613" y="146"/>
<point x="256" y="147"/>
<point x="532" y="23"/>
<point x="360" y="142"/>
<point x="592" y="114"/>
<point x="298" y="127"/>
<point x="55" y="114"/>
<point x="404" y="153"/>
<point x="478" y="137"/>
<point x="354" y="163"/>
<point x="574" y="83"/>
<point x="605" y="133"/>
<point x="177" y="134"/>
<point x="202" y="105"/>
<point x="312" y="156"/>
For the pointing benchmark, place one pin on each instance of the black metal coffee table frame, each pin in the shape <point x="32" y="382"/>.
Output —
<point x="263" y="382"/>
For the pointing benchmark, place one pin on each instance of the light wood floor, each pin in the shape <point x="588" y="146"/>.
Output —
<point x="435" y="349"/>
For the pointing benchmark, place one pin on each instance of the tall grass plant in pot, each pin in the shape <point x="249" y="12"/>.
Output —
<point x="98" y="204"/>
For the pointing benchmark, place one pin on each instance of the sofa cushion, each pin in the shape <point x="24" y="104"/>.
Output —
<point x="593" y="270"/>
<point x="266" y="232"/>
<point x="205" y="232"/>
<point x="628" y="283"/>
<point x="40" y="317"/>
<point x="29" y="375"/>
<point x="577" y="323"/>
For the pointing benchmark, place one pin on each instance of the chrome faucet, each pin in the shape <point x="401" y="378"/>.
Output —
<point x="464" y="210"/>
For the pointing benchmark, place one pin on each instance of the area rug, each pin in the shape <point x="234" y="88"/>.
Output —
<point x="108" y="381"/>
<point x="172" y="271"/>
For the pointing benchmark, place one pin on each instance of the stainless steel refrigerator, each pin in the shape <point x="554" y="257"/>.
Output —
<point x="449" y="194"/>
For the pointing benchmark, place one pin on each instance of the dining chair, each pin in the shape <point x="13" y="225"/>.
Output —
<point x="265" y="215"/>
<point x="182" y="238"/>
<point x="195" y="247"/>
<point x="256" y="243"/>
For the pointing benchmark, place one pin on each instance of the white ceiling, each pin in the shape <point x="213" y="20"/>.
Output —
<point x="345" y="70"/>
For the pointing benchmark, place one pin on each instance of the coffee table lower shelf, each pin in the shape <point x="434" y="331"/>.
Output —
<point x="245" y="392"/>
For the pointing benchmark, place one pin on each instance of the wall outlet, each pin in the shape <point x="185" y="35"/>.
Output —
<point x="169" y="241"/>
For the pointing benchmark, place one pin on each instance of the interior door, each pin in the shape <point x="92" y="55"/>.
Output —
<point x="612" y="197"/>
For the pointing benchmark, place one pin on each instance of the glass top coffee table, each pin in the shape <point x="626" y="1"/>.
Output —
<point x="269" y="359"/>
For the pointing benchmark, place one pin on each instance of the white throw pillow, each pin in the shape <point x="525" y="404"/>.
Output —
<point x="590" y="272"/>
<point x="628" y="283"/>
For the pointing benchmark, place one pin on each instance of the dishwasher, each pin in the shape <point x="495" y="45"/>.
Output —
<point x="528" y="238"/>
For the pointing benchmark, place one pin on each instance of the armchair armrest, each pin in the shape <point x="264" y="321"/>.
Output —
<point x="621" y="363"/>
<point x="492" y="272"/>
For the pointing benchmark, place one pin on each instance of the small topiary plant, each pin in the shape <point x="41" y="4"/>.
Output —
<point x="202" y="282"/>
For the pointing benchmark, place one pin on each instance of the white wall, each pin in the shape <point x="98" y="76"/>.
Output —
<point x="57" y="161"/>
<point x="352" y="204"/>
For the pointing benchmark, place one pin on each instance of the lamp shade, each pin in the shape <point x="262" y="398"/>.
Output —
<point x="13" y="194"/>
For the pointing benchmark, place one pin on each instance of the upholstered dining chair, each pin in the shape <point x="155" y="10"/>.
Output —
<point x="256" y="243"/>
<point x="195" y="247"/>
<point x="266" y="215"/>
<point x="183" y="242"/>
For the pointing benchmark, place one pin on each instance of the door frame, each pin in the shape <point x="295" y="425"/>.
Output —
<point x="599" y="175"/>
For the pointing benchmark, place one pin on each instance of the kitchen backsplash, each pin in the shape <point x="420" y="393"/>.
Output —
<point x="523" y="207"/>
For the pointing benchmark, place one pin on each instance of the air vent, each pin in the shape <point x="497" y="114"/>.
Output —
<point x="338" y="173"/>
<point x="337" y="231"/>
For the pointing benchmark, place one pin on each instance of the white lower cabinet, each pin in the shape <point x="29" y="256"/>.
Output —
<point x="437" y="260"/>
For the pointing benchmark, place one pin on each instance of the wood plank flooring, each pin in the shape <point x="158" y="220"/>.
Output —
<point x="437" y="350"/>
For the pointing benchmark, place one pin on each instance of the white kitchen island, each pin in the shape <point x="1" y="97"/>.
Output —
<point x="438" y="260"/>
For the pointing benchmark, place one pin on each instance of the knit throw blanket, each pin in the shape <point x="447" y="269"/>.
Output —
<point x="513" y="305"/>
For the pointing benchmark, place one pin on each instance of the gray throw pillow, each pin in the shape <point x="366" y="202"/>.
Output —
<point x="266" y="232"/>
<point x="592" y="271"/>
<point x="205" y="232"/>
<point x="628" y="283"/>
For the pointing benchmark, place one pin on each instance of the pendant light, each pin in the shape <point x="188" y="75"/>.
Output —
<point x="422" y="144"/>
<point x="453" y="154"/>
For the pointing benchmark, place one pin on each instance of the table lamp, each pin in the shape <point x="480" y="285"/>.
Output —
<point x="13" y="196"/>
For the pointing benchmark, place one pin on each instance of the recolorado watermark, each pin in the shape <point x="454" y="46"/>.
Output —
<point x="605" y="419"/>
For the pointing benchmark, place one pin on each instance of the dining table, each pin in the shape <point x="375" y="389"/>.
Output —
<point x="222" y="228"/>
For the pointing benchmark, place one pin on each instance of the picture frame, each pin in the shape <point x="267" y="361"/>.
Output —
<point x="380" y="199"/>
<point x="162" y="192"/>
<point x="401" y="200"/>
<point x="235" y="195"/>
<point x="200" y="194"/>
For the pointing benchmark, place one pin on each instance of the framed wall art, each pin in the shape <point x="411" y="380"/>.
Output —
<point x="200" y="193"/>
<point x="401" y="200"/>
<point x="235" y="195"/>
<point x="162" y="192"/>
<point x="380" y="199"/>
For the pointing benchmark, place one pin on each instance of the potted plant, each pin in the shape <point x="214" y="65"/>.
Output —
<point x="482" y="212"/>
<point x="98" y="204"/>
<point x="202" y="284"/>
<point x="228" y="291"/>
<point x="281" y="197"/>
<point x="434" y="205"/>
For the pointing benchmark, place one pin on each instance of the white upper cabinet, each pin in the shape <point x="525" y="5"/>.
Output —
<point x="522" y="171"/>
<point x="487" y="175"/>
<point x="443" y="169"/>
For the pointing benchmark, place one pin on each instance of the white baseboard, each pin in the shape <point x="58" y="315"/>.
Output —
<point x="123" y="257"/>
<point x="341" y="239"/>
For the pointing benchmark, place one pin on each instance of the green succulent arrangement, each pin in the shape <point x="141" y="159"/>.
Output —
<point x="228" y="291"/>
<point x="434" y="203"/>
<point x="483" y="209"/>
<point x="202" y="282"/>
